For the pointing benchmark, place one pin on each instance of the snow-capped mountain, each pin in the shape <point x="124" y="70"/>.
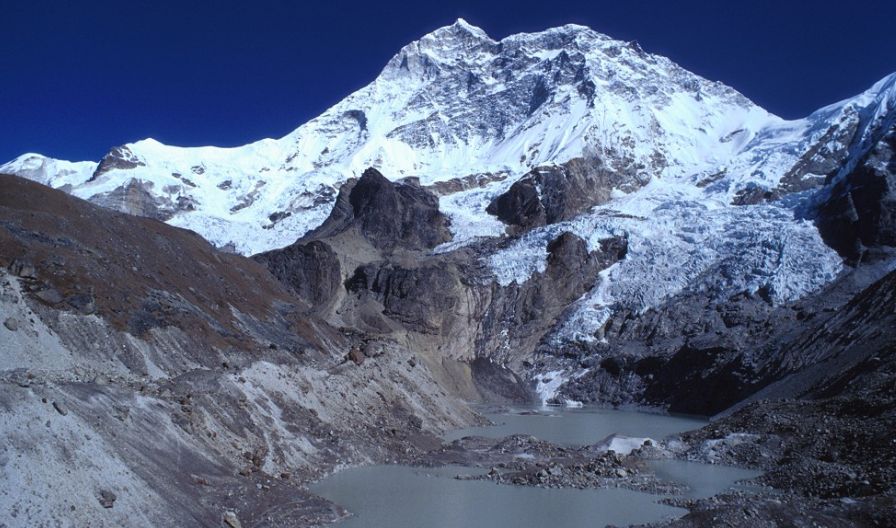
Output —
<point x="59" y="174"/>
<point x="720" y="181"/>
<point x="457" y="103"/>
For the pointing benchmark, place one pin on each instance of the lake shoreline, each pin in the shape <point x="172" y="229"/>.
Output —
<point x="517" y="461"/>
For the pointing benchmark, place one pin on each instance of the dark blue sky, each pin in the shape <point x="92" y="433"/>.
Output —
<point x="80" y="77"/>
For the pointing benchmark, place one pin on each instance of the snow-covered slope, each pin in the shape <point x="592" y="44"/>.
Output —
<point x="456" y="103"/>
<point x="51" y="172"/>
<point x="684" y="234"/>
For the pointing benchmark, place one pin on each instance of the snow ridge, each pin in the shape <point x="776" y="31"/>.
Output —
<point x="48" y="171"/>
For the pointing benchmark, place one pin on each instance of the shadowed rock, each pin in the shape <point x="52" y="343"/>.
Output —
<point x="193" y="381"/>
<point x="389" y="215"/>
<point x="552" y="194"/>
<point x="449" y="301"/>
<point x="311" y="270"/>
<point x="117" y="158"/>
<point x="858" y="217"/>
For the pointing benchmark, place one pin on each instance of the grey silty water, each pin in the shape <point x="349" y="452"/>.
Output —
<point x="407" y="497"/>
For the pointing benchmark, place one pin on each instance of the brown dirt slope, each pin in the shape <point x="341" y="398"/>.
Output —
<point x="136" y="272"/>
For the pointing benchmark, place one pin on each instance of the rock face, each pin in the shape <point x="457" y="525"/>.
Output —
<point x="447" y="303"/>
<point x="311" y="270"/>
<point x="423" y="298"/>
<point x="552" y="194"/>
<point x="519" y="206"/>
<point x="822" y="430"/>
<point x="697" y="352"/>
<point x="117" y="158"/>
<point x="137" y="198"/>
<point x="390" y="215"/>
<point x="569" y="259"/>
<point x="857" y="216"/>
<point x="841" y="351"/>
<point x="520" y="316"/>
<point x="700" y="357"/>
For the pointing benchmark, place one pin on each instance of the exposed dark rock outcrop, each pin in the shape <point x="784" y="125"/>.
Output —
<point x="702" y="358"/>
<point x="311" y="270"/>
<point x="857" y="213"/>
<point x="520" y="206"/>
<point x="423" y="298"/>
<point x="697" y="355"/>
<point x="814" y="169"/>
<point x="117" y="158"/>
<point x="473" y="181"/>
<point x="448" y="304"/>
<point x="823" y="159"/>
<point x="838" y="351"/>
<point x="435" y="296"/>
<point x="388" y="215"/>
<point x="555" y="193"/>
<point x="823" y="436"/>
<point x="521" y="315"/>
<point x="136" y="199"/>
<point x="499" y="384"/>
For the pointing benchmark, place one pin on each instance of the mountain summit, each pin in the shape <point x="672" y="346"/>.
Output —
<point x="457" y="103"/>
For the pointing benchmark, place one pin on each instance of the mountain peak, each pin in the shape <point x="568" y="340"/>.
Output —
<point x="455" y="44"/>
<point x="461" y="26"/>
<point x="460" y="23"/>
<point x="455" y="103"/>
<point x="49" y="171"/>
<point x="460" y="32"/>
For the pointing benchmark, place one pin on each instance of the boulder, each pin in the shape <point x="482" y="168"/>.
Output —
<point x="231" y="520"/>
<point x="356" y="356"/>
<point x="106" y="498"/>
<point x="50" y="296"/>
<point x="60" y="408"/>
<point x="22" y="269"/>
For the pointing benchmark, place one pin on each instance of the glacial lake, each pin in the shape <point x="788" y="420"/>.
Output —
<point x="578" y="426"/>
<point x="408" y="497"/>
